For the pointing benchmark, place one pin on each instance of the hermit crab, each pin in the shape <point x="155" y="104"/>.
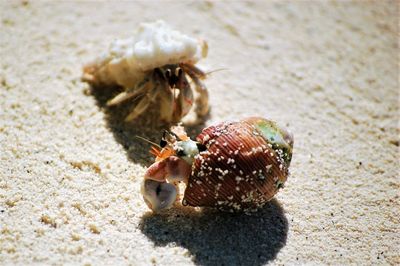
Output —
<point x="155" y="64"/>
<point x="232" y="166"/>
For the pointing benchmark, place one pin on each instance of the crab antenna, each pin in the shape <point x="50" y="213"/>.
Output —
<point x="149" y="141"/>
<point x="216" y="70"/>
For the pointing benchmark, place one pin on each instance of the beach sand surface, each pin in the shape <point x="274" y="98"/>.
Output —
<point x="70" y="168"/>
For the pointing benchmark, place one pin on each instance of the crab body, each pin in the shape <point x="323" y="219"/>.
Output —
<point x="155" y="65"/>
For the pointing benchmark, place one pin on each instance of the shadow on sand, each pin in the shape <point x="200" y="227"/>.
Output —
<point x="146" y="125"/>
<point x="216" y="238"/>
<point x="212" y="237"/>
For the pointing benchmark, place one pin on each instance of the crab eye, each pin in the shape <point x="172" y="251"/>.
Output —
<point x="163" y="143"/>
<point x="178" y="71"/>
<point x="168" y="73"/>
<point x="180" y="153"/>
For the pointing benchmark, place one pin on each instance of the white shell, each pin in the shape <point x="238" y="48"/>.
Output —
<point x="153" y="45"/>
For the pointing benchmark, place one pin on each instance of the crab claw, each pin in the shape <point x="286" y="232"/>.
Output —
<point x="158" y="195"/>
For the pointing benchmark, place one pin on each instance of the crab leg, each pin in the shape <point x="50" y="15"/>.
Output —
<point x="202" y="99"/>
<point x="185" y="98"/>
<point x="126" y="95"/>
<point x="147" y="99"/>
<point x="143" y="104"/>
<point x="171" y="168"/>
<point x="166" y="100"/>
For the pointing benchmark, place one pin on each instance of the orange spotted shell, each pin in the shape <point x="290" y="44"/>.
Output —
<point x="244" y="165"/>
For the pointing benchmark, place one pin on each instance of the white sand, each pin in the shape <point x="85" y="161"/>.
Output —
<point x="70" y="169"/>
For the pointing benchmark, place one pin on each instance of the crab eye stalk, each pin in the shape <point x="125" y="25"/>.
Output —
<point x="173" y="80"/>
<point x="169" y="136"/>
<point x="178" y="71"/>
<point x="172" y="134"/>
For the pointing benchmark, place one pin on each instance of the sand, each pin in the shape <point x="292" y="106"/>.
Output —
<point x="70" y="168"/>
